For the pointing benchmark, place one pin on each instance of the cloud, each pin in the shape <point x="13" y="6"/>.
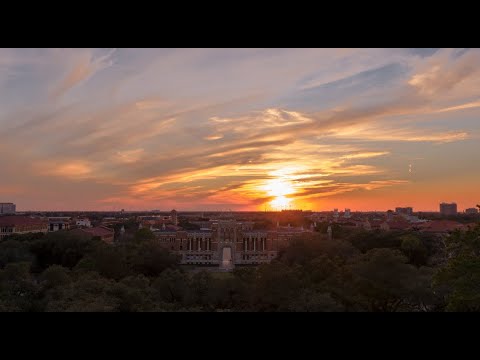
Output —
<point x="442" y="73"/>
<point x="365" y="155"/>
<point x="83" y="67"/>
<point x="461" y="107"/>
<point x="162" y="126"/>
<point x="73" y="169"/>
<point x="130" y="156"/>
<point x="214" y="137"/>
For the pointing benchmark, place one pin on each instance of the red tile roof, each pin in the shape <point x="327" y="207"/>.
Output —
<point x="13" y="220"/>
<point x="399" y="224"/>
<point x="440" y="226"/>
<point x="99" y="231"/>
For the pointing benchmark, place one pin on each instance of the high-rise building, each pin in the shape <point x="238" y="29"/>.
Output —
<point x="335" y="213"/>
<point x="7" y="208"/>
<point x="471" y="211"/>
<point x="389" y="216"/>
<point x="404" y="211"/>
<point x="448" y="209"/>
<point x="347" y="213"/>
<point x="174" y="217"/>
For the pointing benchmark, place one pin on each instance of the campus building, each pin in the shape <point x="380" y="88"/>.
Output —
<point x="227" y="243"/>
<point x="21" y="225"/>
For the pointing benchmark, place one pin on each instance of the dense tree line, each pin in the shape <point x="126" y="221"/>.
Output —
<point x="361" y="271"/>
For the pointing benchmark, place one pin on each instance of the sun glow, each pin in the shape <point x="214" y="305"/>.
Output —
<point x="279" y="189"/>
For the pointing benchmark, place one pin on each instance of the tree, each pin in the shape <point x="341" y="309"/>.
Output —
<point x="310" y="300"/>
<point x="60" y="248"/>
<point x="199" y="287"/>
<point x="414" y="250"/>
<point x="320" y="269"/>
<point x="150" y="259"/>
<point x="144" y="235"/>
<point x="54" y="276"/>
<point x="275" y="286"/>
<point x="18" y="291"/>
<point x="132" y="294"/>
<point x="381" y="280"/>
<point x="12" y="251"/>
<point x="90" y="293"/>
<point x="171" y="286"/>
<point x="368" y="240"/>
<point x="459" y="280"/>
<point x="109" y="261"/>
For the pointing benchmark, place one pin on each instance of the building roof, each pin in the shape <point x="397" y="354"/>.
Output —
<point x="440" y="226"/>
<point x="399" y="224"/>
<point x="98" y="231"/>
<point x="14" y="220"/>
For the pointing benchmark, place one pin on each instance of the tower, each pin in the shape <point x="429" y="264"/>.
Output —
<point x="174" y="217"/>
<point x="329" y="232"/>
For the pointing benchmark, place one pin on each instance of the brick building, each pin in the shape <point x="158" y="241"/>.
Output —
<point x="21" y="225"/>
<point x="227" y="243"/>
<point x="104" y="233"/>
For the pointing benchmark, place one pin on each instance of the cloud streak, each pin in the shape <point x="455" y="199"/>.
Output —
<point x="192" y="127"/>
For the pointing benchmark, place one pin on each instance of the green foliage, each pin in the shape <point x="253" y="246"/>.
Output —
<point x="368" y="240"/>
<point x="55" y="276"/>
<point x="150" y="259"/>
<point x="414" y="250"/>
<point x="12" y="251"/>
<point x="171" y="286"/>
<point x="459" y="280"/>
<point x="366" y="271"/>
<point x="382" y="280"/>
<point x="302" y="251"/>
<point x="18" y="291"/>
<point x="275" y="285"/>
<point x="144" y="235"/>
<point x="60" y="248"/>
<point x="310" y="300"/>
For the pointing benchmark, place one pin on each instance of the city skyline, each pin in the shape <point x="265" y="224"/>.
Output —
<point x="239" y="129"/>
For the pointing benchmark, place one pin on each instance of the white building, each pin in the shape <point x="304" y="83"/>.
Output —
<point x="83" y="223"/>
<point x="7" y="208"/>
<point x="57" y="223"/>
<point x="335" y="213"/>
<point x="347" y="213"/>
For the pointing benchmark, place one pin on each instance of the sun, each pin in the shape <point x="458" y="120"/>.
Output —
<point x="279" y="189"/>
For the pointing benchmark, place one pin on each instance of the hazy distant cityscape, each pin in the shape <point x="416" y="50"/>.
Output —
<point x="226" y="239"/>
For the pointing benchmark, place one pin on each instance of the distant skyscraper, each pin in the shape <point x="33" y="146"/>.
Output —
<point x="471" y="211"/>
<point x="389" y="215"/>
<point x="448" y="208"/>
<point x="404" y="211"/>
<point x="335" y="213"/>
<point x="7" y="208"/>
<point x="174" y="217"/>
<point x="347" y="213"/>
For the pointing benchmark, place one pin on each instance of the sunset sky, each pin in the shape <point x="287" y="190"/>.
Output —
<point x="239" y="129"/>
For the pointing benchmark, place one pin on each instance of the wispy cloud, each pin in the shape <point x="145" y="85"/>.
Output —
<point x="83" y="67"/>
<point x="154" y="127"/>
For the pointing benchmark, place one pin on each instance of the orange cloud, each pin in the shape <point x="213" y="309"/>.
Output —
<point x="79" y="169"/>
<point x="130" y="156"/>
